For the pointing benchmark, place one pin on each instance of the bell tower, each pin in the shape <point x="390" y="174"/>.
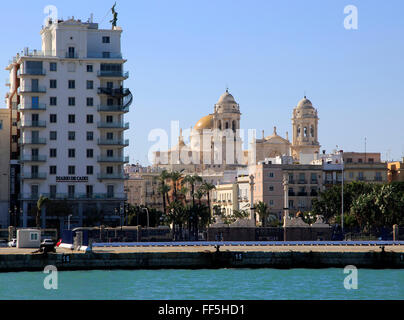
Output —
<point x="305" y="129"/>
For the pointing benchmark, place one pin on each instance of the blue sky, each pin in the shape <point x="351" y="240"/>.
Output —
<point x="183" y="53"/>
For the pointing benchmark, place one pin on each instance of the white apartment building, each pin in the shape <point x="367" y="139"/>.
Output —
<point x="68" y="103"/>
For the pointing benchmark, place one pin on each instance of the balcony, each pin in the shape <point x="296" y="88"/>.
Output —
<point x="113" y="125"/>
<point x="291" y="181"/>
<point x="113" y="159"/>
<point x="75" y="196"/>
<point x="30" y="90"/>
<point x="113" y="176"/>
<point x="361" y="178"/>
<point x="32" y="72"/>
<point x="291" y="194"/>
<point x="71" y="55"/>
<point x="33" y="176"/>
<point x="115" y="108"/>
<point x="302" y="194"/>
<point x="32" y="124"/>
<point x="100" y="55"/>
<point x="30" y="158"/>
<point x="33" y="107"/>
<point x="113" y="74"/>
<point x="26" y="141"/>
<point x="106" y="142"/>
<point x="377" y="178"/>
<point x="302" y="182"/>
<point x="314" y="182"/>
<point x="313" y="194"/>
<point x="114" y="92"/>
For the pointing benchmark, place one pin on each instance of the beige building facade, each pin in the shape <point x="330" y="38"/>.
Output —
<point x="5" y="140"/>
<point x="395" y="171"/>
<point x="364" y="167"/>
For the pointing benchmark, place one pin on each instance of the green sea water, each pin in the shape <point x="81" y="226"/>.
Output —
<point x="235" y="284"/>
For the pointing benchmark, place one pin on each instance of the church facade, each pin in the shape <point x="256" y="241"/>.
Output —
<point x="215" y="141"/>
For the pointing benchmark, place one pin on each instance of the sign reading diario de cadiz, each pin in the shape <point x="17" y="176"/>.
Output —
<point x="71" y="179"/>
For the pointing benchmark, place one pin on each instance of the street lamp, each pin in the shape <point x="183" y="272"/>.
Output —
<point x="68" y="221"/>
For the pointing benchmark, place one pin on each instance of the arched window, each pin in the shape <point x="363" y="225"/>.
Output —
<point x="234" y="125"/>
<point x="298" y="131"/>
<point x="227" y="125"/>
<point x="220" y="125"/>
<point x="312" y="131"/>
<point x="305" y="131"/>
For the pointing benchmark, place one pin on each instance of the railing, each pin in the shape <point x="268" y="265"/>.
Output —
<point x="361" y="178"/>
<point x="291" y="181"/>
<point x="38" y="89"/>
<point x="302" y="182"/>
<point x="27" y="106"/>
<point x="313" y="194"/>
<point x="314" y="181"/>
<point x="118" y="92"/>
<point x="302" y="194"/>
<point x="107" y="142"/>
<point x="114" y="176"/>
<point x="33" y="72"/>
<point x="116" y="125"/>
<point x="378" y="178"/>
<point x="70" y="55"/>
<point x="120" y="74"/>
<point x="112" y="159"/>
<point x="291" y="194"/>
<point x="113" y="108"/>
<point x="30" y="158"/>
<point x="100" y="55"/>
<point x="29" y="175"/>
<point x="32" y="124"/>
<point x="32" y="141"/>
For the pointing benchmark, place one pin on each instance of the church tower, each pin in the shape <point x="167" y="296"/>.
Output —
<point x="305" y="129"/>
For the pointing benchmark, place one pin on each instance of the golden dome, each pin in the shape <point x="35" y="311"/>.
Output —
<point x="205" y="123"/>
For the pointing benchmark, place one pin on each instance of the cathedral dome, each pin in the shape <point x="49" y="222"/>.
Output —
<point x="226" y="98"/>
<point x="205" y="123"/>
<point x="305" y="103"/>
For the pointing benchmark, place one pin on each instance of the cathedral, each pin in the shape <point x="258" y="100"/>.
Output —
<point x="215" y="141"/>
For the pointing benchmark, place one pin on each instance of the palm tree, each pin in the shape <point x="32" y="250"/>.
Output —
<point x="175" y="177"/>
<point x="262" y="209"/>
<point x="164" y="188"/>
<point x="208" y="187"/>
<point x="40" y="203"/>
<point x="191" y="180"/>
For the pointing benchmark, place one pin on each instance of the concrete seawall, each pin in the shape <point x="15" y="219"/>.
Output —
<point x="198" y="260"/>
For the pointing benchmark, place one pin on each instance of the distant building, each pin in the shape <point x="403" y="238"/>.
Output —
<point x="5" y="142"/>
<point x="365" y="167"/>
<point x="395" y="171"/>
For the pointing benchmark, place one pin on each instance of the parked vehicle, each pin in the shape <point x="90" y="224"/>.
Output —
<point x="13" y="242"/>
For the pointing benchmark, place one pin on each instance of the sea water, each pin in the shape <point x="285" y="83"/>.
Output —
<point x="237" y="284"/>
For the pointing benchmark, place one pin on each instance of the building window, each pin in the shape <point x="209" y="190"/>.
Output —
<point x="72" y="101"/>
<point x="71" y="191"/>
<point x="90" y="118"/>
<point x="52" y="135"/>
<point x="90" y="169"/>
<point x="110" y="119"/>
<point x="106" y="55"/>
<point x="110" y="153"/>
<point x="110" y="170"/>
<point x="351" y="174"/>
<point x="90" y="153"/>
<point x="90" y="136"/>
<point x="33" y="236"/>
<point x="90" y="102"/>
<point x="52" y="153"/>
<point x="72" y="84"/>
<point x="52" y="170"/>
<point x="271" y="188"/>
<point x="89" y="68"/>
<point x="72" y="135"/>
<point x="271" y="174"/>
<point x="110" y="136"/>
<point x="71" y="170"/>
<point x="359" y="160"/>
<point x="271" y="203"/>
<point x="370" y="160"/>
<point x="53" y="101"/>
<point x="52" y="84"/>
<point x="53" y="66"/>
<point x="349" y="160"/>
<point x="1" y="124"/>
<point x="105" y="40"/>
<point x="53" y="118"/>
<point x="90" y="84"/>
<point x="52" y="191"/>
<point x="72" y="153"/>
<point x="72" y="118"/>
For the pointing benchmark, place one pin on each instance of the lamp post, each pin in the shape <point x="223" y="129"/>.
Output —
<point x="68" y="221"/>
<point x="342" y="192"/>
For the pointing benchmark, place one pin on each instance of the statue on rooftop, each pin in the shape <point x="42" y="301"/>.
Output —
<point x="115" y="16"/>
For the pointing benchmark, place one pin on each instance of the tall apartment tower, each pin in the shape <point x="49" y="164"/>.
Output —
<point x="67" y="104"/>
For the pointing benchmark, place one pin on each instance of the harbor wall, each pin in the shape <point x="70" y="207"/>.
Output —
<point x="200" y="260"/>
